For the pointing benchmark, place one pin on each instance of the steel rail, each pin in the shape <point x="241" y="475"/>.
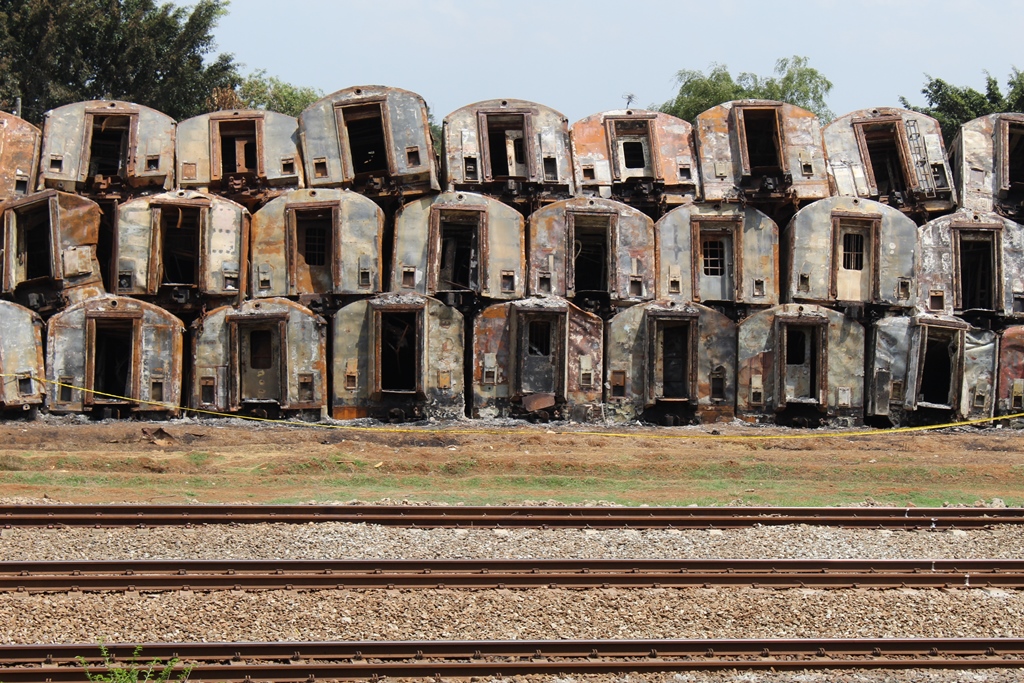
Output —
<point x="303" y="661"/>
<point x="506" y="516"/>
<point x="212" y="575"/>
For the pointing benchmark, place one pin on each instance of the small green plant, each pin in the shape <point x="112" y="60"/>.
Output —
<point x="134" y="671"/>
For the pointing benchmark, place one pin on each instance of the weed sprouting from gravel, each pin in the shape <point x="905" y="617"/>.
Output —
<point x="133" y="671"/>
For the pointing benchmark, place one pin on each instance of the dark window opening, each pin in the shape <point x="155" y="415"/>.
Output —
<point x="64" y="394"/>
<point x="306" y="391"/>
<point x="313" y="231"/>
<point x="675" y="358"/>
<point x="634" y="136"/>
<point x="470" y="166"/>
<point x="539" y="341"/>
<point x="618" y="383"/>
<point x="34" y="247"/>
<point x="459" y="267"/>
<point x="319" y="168"/>
<point x="238" y="153"/>
<point x="937" y="371"/>
<point x="796" y="347"/>
<point x="207" y="390"/>
<point x="25" y="386"/>
<point x="364" y="126"/>
<point x="287" y="166"/>
<point x="936" y="301"/>
<point x="21" y="186"/>
<point x="761" y="128"/>
<point x="399" y="349"/>
<point x="590" y="252"/>
<point x="506" y="145"/>
<point x="179" y="226"/>
<point x="883" y="143"/>
<point x="1015" y="156"/>
<point x="713" y="256"/>
<point x="853" y="251"/>
<point x="588" y="173"/>
<point x="108" y="148"/>
<point x="633" y="155"/>
<point x="261" y="349"/>
<point x="718" y="384"/>
<point x="977" y="268"/>
<point x="412" y="156"/>
<point x="550" y="170"/>
<point x="156" y="391"/>
<point x="112" y="359"/>
<point x="105" y="245"/>
<point x="152" y="163"/>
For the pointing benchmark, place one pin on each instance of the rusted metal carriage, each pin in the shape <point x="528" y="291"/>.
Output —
<point x="21" y="359"/>
<point x="266" y="357"/>
<point x="800" y="364"/>
<point x="249" y="156"/>
<point x="930" y="368"/>
<point x="317" y="245"/>
<point x="987" y="158"/>
<point x="1009" y="398"/>
<point x="459" y="246"/>
<point x="106" y="148"/>
<point x="516" y="150"/>
<point x="972" y="265"/>
<point x="844" y="251"/>
<point x="893" y="156"/>
<point x="398" y="356"/>
<point x="721" y="255"/>
<point x="51" y="255"/>
<point x="19" y="156"/>
<point x="670" y="362"/>
<point x="598" y="252"/>
<point x="537" y="358"/>
<point x="766" y="153"/>
<point x="114" y="355"/>
<point x="182" y="249"/>
<point x="371" y="138"/>
<point x="643" y="158"/>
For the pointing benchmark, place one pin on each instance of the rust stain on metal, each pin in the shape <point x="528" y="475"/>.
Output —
<point x="19" y="156"/>
<point x="987" y="162"/>
<point x="21" y="358"/>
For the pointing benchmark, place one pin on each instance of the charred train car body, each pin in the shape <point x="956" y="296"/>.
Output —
<point x="19" y="156"/>
<point x="988" y="165"/>
<point x="21" y="359"/>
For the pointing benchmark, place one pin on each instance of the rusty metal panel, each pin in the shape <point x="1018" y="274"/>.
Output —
<point x="605" y="243"/>
<point x="636" y="156"/>
<point x="985" y="157"/>
<point x="262" y="356"/>
<point x="105" y="147"/>
<point x="390" y="152"/>
<point x="493" y="250"/>
<point x="21" y="357"/>
<point x="844" y="249"/>
<point x="19" y="156"/>
<point x="114" y="352"/>
<point x="508" y="147"/>
<point x="977" y="399"/>
<point x="317" y="242"/>
<point x="1009" y="397"/>
<point x="771" y="379"/>
<point x="922" y="184"/>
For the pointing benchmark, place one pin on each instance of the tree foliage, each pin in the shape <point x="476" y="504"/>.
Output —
<point x="259" y="91"/>
<point x="53" y="52"/>
<point x="954" y="105"/>
<point x="794" y="82"/>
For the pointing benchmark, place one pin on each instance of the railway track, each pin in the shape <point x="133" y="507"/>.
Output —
<point x="506" y="517"/>
<point x="212" y="575"/>
<point x="307" y="661"/>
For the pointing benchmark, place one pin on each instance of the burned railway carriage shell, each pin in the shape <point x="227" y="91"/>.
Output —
<point x="671" y="361"/>
<point x="533" y="355"/>
<point x="930" y="368"/>
<point x="972" y="264"/>
<point x="988" y="164"/>
<point x="398" y="356"/>
<point x="893" y="156"/>
<point x="114" y="353"/>
<point x="761" y="150"/>
<point x="101" y="147"/>
<point x="1010" y="382"/>
<point x="848" y="250"/>
<point x="801" y="364"/>
<point x="19" y="156"/>
<point x="508" y="147"/>
<point x="317" y="242"/>
<point x="21" y="358"/>
<point x="636" y="156"/>
<point x="262" y="357"/>
<point x="51" y="257"/>
<point x="459" y="243"/>
<point x="592" y="247"/>
<point x="182" y="248"/>
<point x="372" y="138"/>
<point x="718" y="253"/>
<point x="239" y="151"/>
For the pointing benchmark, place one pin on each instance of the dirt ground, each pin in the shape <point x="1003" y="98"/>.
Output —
<point x="207" y="461"/>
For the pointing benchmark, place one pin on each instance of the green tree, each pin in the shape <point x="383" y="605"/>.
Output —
<point x="259" y="91"/>
<point x="53" y="52"/>
<point x="954" y="105"/>
<point x="794" y="82"/>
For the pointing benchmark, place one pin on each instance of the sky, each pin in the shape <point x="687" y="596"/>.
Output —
<point x="581" y="58"/>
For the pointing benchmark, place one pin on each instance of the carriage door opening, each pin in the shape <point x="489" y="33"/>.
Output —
<point x="367" y="143"/>
<point x="108" y="145"/>
<point x="976" y="250"/>
<point x="507" y="145"/>
<point x="179" y="247"/>
<point x="459" y="251"/>
<point x="936" y="374"/>
<point x="633" y="148"/>
<point x="590" y="235"/>
<point x="854" y="251"/>
<point x="882" y="142"/>
<point x="260" y="362"/>
<point x="540" y="354"/>
<point x="802" y="355"/>
<point x="760" y="142"/>
<point x="112" y="345"/>
<point x="1011" y="167"/>
<point x="399" y="352"/>
<point x="33" y="241"/>
<point x="672" y="359"/>
<point x="238" y="149"/>
<point x="716" y="267"/>
<point x="314" y="246"/>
